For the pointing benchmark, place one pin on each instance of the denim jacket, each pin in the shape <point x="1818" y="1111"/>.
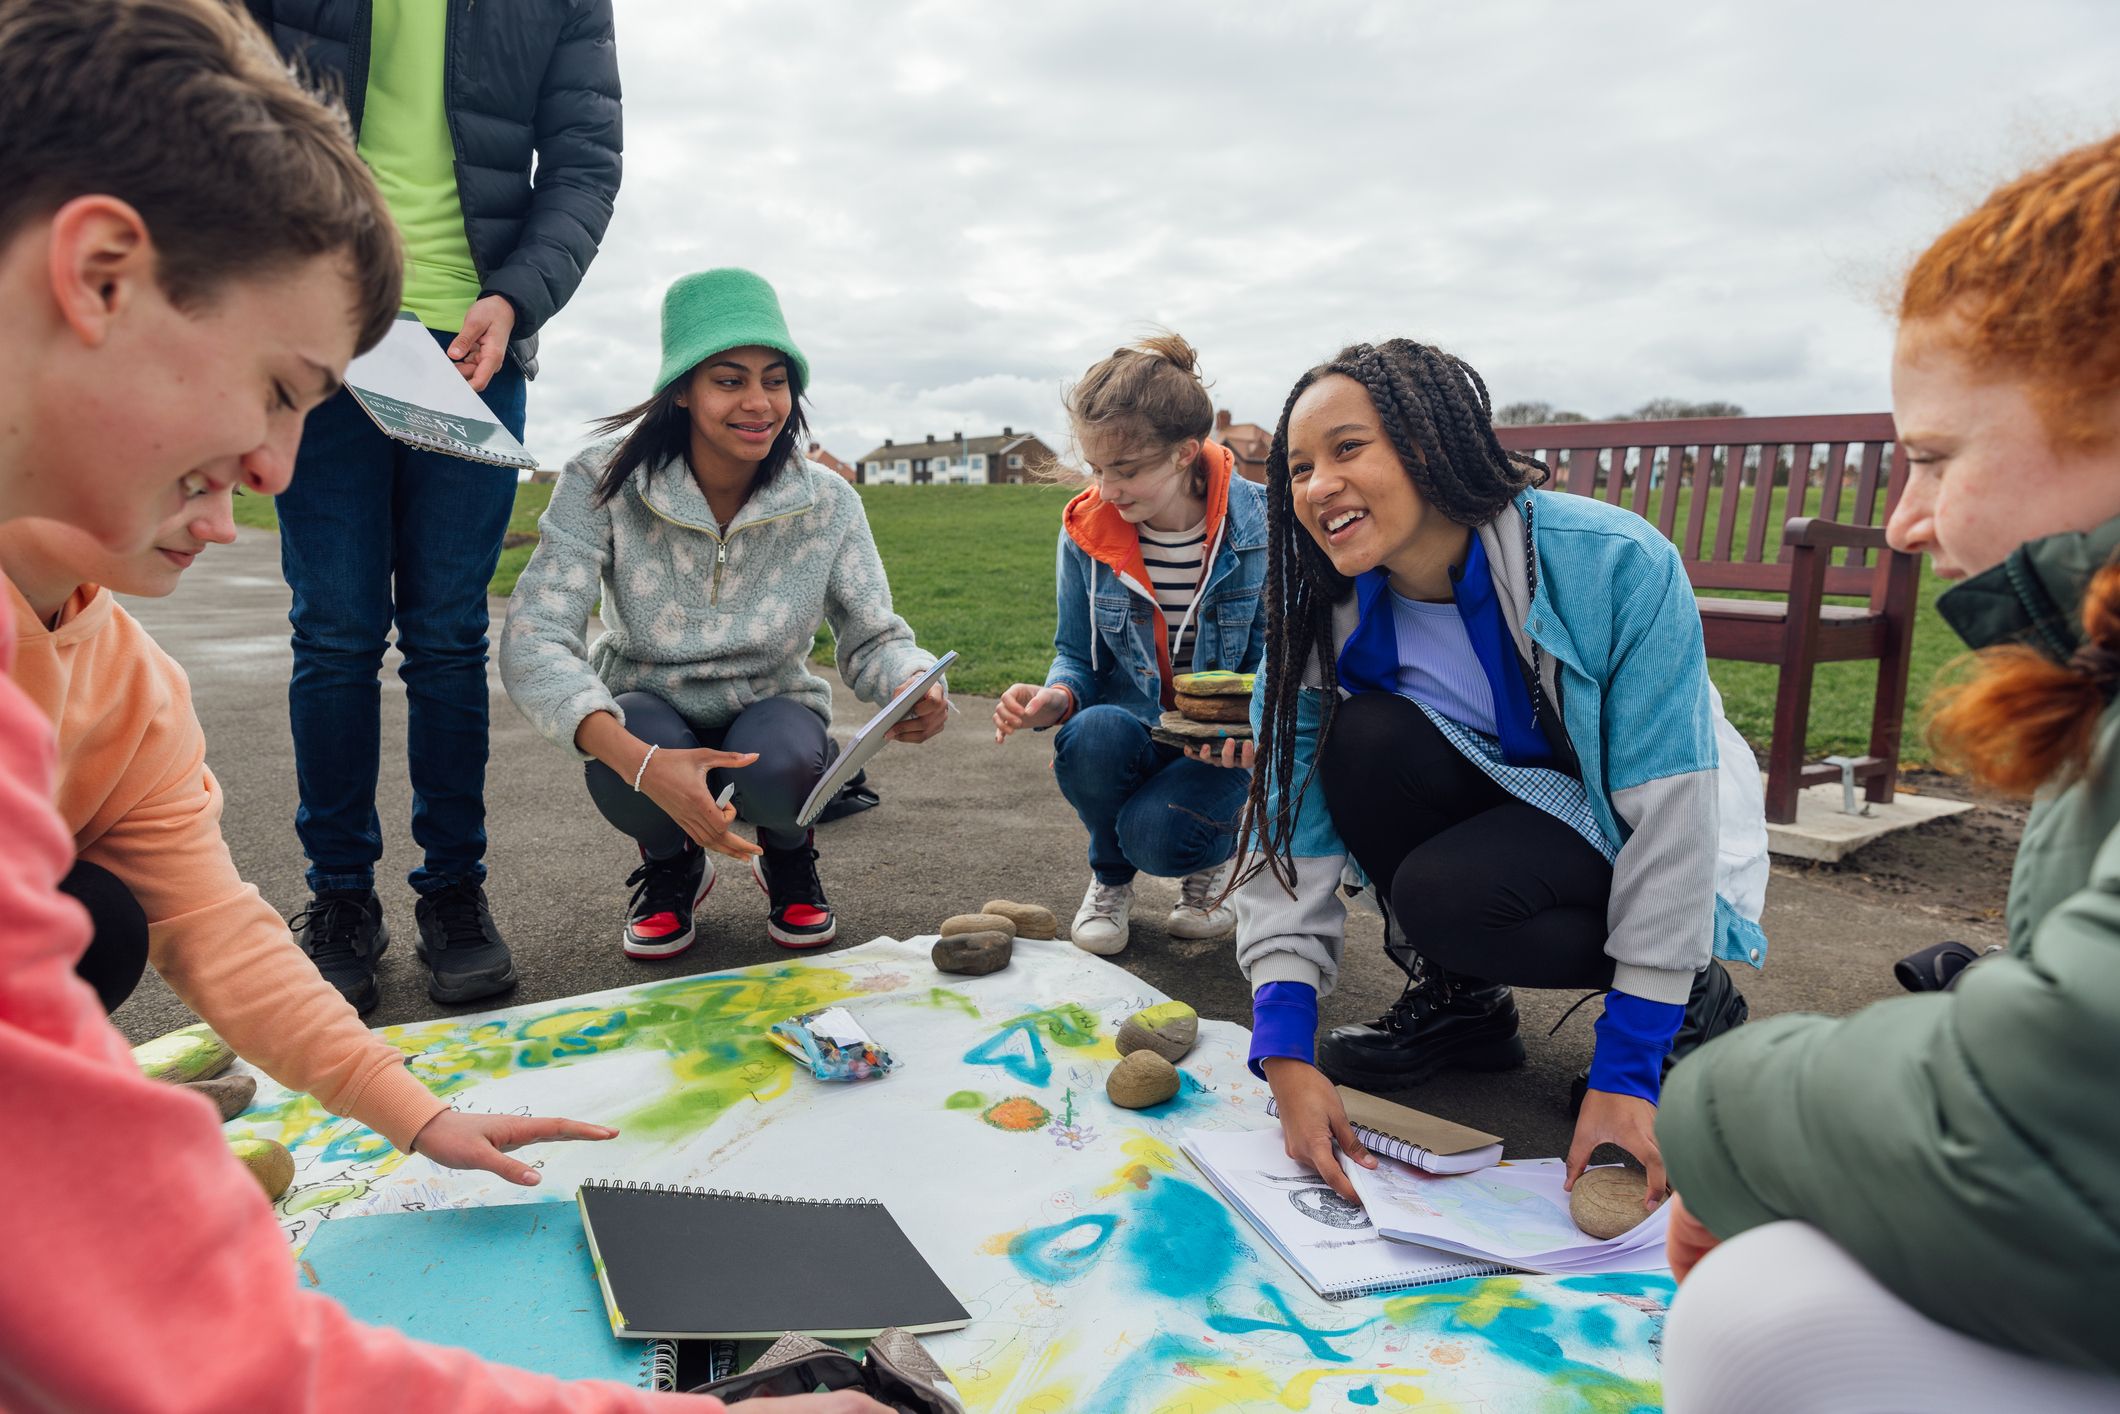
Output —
<point x="1111" y="644"/>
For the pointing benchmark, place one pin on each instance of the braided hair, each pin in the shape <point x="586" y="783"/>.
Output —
<point x="1435" y="409"/>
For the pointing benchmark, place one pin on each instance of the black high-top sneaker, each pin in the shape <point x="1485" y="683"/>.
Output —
<point x="666" y="892"/>
<point x="1442" y="1018"/>
<point x="343" y="932"/>
<point x="799" y="915"/>
<point x="1712" y="1007"/>
<point x="460" y="945"/>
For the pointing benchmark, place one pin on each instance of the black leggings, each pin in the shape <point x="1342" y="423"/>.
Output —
<point x="117" y="952"/>
<point x="793" y="752"/>
<point x="1479" y="882"/>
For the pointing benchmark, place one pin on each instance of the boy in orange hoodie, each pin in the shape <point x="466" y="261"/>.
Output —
<point x="190" y="254"/>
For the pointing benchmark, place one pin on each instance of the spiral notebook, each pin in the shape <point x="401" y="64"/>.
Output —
<point x="410" y="389"/>
<point x="512" y="1283"/>
<point x="1430" y="1144"/>
<point x="704" y="1264"/>
<point x="1329" y="1241"/>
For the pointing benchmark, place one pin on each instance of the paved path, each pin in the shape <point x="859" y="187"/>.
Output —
<point x="962" y="821"/>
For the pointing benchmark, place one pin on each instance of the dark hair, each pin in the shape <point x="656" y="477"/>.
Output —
<point x="183" y="110"/>
<point x="1435" y="409"/>
<point x="1150" y="392"/>
<point x="662" y="432"/>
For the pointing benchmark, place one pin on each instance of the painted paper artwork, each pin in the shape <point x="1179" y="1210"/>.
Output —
<point x="1102" y="1271"/>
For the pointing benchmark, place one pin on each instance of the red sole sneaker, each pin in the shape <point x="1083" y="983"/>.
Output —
<point x="796" y="935"/>
<point x="656" y="949"/>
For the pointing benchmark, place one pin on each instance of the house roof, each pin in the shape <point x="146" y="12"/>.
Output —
<point x="1249" y="441"/>
<point x="818" y="454"/>
<point x="1008" y="441"/>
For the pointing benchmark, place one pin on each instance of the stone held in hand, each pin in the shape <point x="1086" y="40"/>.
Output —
<point x="269" y="1163"/>
<point x="1608" y="1201"/>
<point x="1170" y="1030"/>
<point x="977" y="923"/>
<point x="1030" y="919"/>
<point x="1214" y="709"/>
<point x="1142" y="1079"/>
<point x="231" y="1094"/>
<point x="193" y="1053"/>
<point x="974" y="954"/>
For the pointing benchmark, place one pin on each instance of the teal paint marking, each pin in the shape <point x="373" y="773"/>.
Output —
<point x="1179" y="1241"/>
<point x="1017" y="1050"/>
<point x="1367" y="1394"/>
<point x="1314" y="1338"/>
<point x="1045" y="1256"/>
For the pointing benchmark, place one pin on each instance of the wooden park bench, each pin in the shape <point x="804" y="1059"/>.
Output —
<point x="1733" y="537"/>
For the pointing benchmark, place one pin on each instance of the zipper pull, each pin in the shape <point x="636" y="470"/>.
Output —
<point x="721" y="556"/>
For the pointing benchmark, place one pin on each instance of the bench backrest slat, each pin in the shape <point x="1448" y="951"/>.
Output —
<point x="1725" y="469"/>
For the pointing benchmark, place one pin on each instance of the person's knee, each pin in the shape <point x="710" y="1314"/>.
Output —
<point x="790" y="741"/>
<point x="117" y="950"/>
<point x="1092" y="744"/>
<point x="655" y="721"/>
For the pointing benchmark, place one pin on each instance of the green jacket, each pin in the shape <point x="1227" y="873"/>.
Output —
<point x="1964" y="1146"/>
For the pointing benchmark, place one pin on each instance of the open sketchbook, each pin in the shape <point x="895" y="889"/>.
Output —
<point x="411" y="390"/>
<point x="1329" y="1241"/>
<point x="1516" y="1215"/>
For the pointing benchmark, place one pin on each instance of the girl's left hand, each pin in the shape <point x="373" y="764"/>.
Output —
<point x="1626" y="1120"/>
<point x="1236" y="755"/>
<point x="457" y="1140"/>
<point x="926" y="718"/>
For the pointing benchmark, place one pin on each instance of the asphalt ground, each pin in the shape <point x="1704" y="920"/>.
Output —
<point x="962" y="820"/>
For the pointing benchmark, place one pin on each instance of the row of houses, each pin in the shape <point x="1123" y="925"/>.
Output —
<point x="1011" y="458"/>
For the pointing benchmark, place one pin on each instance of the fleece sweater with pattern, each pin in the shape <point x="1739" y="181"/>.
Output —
<point x="707" y="622"/>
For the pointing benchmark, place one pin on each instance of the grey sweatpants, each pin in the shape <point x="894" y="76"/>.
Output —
<point x="793" y="752"/>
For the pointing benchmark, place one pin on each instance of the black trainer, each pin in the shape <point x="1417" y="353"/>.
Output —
<point x="1712" y="1007"/>
<point x="460" y="945"/>
<point x="666" y="892"/>
<point x="798" y="915"/>
<point x="343" y="932"/>
<point x="1442" y="1018"/>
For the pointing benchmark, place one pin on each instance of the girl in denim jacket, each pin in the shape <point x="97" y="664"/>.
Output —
<point x="1161" y="562"/>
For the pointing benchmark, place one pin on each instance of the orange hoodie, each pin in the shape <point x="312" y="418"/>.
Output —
<point x="133" y="787"/>
<point x="1110" y="539"/>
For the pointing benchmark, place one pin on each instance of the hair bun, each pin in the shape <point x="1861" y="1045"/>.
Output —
<point x="1167" y="345"/>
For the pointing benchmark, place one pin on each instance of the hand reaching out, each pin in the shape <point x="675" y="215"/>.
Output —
<point x="1313" y="1120"/>
<point x="1024" y="706"/>
<point x="677" y="781"/>
<point x="456" y="1140"/>
<point x="1626" y="1120"/>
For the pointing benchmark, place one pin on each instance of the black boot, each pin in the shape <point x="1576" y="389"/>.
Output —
<point x="1442" y="1018"/>
<point x="1712" y="1007"/>
<point x="343" y="932"/>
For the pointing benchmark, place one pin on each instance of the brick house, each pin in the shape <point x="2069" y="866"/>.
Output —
<point x="1247" y="441"/>
<point x="818" y="454"/>
<point x="1009" y="459"/>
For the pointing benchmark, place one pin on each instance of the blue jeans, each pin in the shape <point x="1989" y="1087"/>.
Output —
<point x="1147" y="807"/>
<point x="376" y="534"/>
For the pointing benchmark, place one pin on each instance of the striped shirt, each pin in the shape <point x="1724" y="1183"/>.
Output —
<point x="1173" y="558"/>
<point x="1437" y="665"/>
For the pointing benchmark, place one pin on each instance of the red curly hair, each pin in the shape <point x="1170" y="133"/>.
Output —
<point x="2028" y="285"/>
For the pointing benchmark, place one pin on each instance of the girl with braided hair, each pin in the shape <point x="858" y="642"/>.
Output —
<point x="1492" y="704"/>
<point x="1161" y="560"/>
<point x="1920" y="1197"/>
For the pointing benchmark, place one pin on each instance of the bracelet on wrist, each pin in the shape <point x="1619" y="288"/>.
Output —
<point x="637" y="775"/>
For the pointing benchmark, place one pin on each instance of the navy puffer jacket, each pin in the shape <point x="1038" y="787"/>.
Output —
<point x="522" y="77"/>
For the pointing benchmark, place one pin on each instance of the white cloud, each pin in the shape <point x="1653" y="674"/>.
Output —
<point x="965" y="205"/>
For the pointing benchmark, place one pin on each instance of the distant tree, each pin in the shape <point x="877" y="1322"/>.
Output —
<point x="1662" y="409"/>
<point x="1533" y="415"/>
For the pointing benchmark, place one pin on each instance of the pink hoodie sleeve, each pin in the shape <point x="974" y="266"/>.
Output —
<point x="142" y="1268"/>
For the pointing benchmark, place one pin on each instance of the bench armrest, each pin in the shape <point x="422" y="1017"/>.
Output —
<point x="1817" y="530"/>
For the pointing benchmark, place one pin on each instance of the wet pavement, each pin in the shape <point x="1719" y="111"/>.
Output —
<point x="962" y="821"/>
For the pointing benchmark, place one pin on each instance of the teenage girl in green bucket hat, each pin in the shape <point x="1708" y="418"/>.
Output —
<point x="715" y="549"/>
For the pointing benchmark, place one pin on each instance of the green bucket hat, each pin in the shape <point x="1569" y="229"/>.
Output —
<point x="716" y="310"/>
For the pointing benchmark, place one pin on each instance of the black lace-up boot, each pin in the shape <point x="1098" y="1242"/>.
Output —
<point x="460" y="945"/>
<point x="1441" y="1019"/>
<point x="343" y="932"/>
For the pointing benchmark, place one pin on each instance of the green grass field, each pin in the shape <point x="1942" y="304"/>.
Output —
<point x="972" y="569"/>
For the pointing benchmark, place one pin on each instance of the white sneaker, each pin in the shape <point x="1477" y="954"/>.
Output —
<point x="1196" y="915"/>
<point x="1101" y="923"/>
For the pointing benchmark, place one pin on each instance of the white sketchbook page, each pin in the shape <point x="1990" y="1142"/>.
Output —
<point x="1517" y="1214"/>
<point x="1329" y="1240"/>
<point x="411" y="367"/>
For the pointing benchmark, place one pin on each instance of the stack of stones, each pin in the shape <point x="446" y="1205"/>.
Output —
<point x="1151" y="1043"/>
<point x="975" y="944"/>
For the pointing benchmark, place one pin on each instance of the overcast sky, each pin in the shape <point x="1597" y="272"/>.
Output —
<point x="964" y="205"/>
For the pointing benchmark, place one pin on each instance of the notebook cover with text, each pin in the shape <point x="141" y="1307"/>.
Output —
<point x="699" y="1263"/>
<point x="512" y="1283"/>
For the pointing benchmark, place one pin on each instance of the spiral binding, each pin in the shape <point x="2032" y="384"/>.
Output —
<point x="628" y="1185"/>
<point x="658" y="1370"/>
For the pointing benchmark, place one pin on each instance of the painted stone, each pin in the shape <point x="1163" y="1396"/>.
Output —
<point x="1214" y="709"/>
<point x="1608" y="1201"/>
<point x="269" y="1163"/>
<point x="1031" y="921"/>
<point x="231" y="1094"/>
<point x="976" y="923"/>
<point x="1142" y="1079"/>
<point x="974" y="954"/>
<point x="194" y="1053"/>
<point x="1170" y="1030"/>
